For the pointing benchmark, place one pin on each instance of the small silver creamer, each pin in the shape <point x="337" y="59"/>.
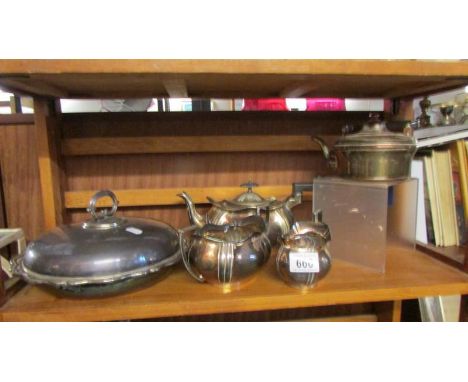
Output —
<point x="303" y="257"/>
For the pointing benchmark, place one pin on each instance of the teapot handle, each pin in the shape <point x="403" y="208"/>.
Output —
<point x="184" y="253"/>
<point x="300" y="187"/>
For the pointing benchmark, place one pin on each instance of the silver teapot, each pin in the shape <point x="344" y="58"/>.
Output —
<point x="277" y="214"/>
<point x="226" y="255"/>
<point x="303" y="257"/>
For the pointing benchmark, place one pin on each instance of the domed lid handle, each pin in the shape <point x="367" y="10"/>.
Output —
<point x="374" y="124"/>
<point x="104" y="213"/>
<point x="250" y="185"/>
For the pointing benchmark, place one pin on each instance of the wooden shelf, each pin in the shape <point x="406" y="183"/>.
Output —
<point x="230" y="78"/>
<point x="410" y="274"/>
<point x="169" y="196"/>
<point x="69" y="172"/>
<point x="455" y="256"/>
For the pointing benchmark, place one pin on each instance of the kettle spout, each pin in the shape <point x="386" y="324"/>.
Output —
<point x="194" y="217"/>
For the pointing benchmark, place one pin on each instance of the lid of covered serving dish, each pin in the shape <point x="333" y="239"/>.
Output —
<point x="103" y="249"/>
<point x="248" y="199"/>
<point x="375" y="135"/>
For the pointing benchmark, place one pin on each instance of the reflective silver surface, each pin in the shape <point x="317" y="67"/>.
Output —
<point x="374" y="153"/>
<point x="102" y="250"/>
<point x="277" y="214"/>
<point x="305" y="237"/>
<point x="74" y="252"/>
<point x="226" y="255"/>
<point x="315" y="227"/>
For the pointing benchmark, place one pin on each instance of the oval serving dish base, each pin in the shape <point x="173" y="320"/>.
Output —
<point x="107" y="290"/>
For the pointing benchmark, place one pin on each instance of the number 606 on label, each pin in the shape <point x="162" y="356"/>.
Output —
<point x="304" y="262"/>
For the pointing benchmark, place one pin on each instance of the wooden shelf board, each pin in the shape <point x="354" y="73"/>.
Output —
<point x="231" y="78"/>
<point x="168" y="196"/>
<point x="246" y="66"/>
<point x="16" y="119"/>
<point x="453" y="255"/>
<point x="189" y="144"/>
<point x="410" y="274"/>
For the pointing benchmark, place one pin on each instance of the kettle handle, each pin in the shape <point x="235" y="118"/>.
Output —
<point x="184" y="253"/>
<point x="329" y="155"/>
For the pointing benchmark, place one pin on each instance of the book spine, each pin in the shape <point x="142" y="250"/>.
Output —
<point x="463" y="166"/>
<point x="427" y="208"/>
<point x="459" y="211"/>
<point x="436" y="211"/>
<point x="460" y="184"/>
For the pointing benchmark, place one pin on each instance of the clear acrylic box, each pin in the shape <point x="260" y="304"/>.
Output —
<point x="366" y="219"/>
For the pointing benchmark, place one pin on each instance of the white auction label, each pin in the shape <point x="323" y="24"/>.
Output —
<point x="134" y="230"/>
<point x="304" y="262"/>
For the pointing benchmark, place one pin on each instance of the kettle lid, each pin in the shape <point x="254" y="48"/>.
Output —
<point x="375" y="135"/>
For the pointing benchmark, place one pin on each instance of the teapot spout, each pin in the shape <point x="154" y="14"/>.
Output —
<point x="194" y="217"/>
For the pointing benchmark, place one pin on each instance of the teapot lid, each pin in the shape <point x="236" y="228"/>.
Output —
<point x="236" y="232"/>
<point x="248" y="199"/>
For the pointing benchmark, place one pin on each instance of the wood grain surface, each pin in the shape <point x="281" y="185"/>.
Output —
<point x="219" y="123"/>
<point x="230" y="78"/>
<point x="347" y="67"/>
<point x="21" y="183"/>
<point x="157" y="178"/>
<point x="50" y="166"/>
<point x="169" y="196"/>
<point x="189" y="144"/>
<point x="409" y="274"/>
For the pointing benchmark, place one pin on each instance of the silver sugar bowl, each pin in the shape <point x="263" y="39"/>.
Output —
<point x="226" y="255"/>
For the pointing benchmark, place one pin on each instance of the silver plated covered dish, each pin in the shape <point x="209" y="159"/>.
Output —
<point x="104" y="255"/>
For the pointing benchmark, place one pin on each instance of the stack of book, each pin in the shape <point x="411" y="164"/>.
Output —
<point x="443" y="192"/>
<point x="433" y="136"/>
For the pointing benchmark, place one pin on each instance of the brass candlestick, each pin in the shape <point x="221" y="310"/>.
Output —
<point x="424" y="120"/>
